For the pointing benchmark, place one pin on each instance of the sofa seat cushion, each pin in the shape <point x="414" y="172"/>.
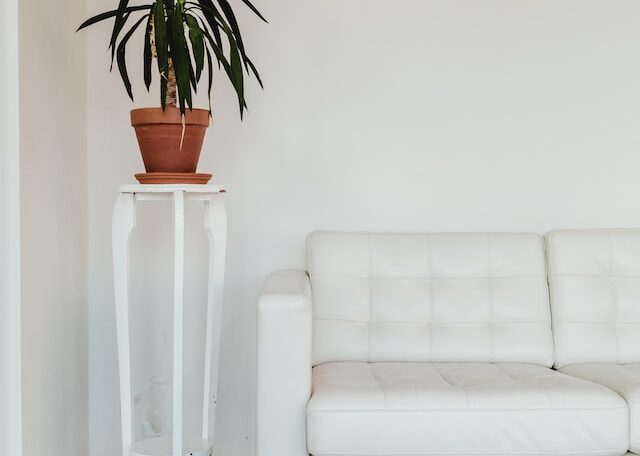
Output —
<point x="461" y="409"/>
<point x="624" y="380"/>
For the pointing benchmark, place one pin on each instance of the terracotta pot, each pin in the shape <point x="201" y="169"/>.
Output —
<point x="159" y="133"/>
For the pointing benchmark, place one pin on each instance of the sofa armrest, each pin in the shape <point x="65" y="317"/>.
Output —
<point x="284" y="364"/>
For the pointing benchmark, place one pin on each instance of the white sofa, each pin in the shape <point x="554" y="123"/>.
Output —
<point x="442" y="344"/>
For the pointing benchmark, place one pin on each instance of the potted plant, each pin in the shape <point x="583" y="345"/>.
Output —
<point x="186" y="38"/>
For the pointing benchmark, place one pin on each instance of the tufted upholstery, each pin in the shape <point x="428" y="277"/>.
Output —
<point x="595" y="295"/>
<point x="460" y="409"/>
<point x="429" y="297"/>
<point x="624" y="380"/>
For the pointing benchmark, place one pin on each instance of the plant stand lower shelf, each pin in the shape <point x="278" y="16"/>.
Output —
<point x="215" y="222"/>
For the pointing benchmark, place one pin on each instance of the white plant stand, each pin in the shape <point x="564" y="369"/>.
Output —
<point x="215" y="222"/>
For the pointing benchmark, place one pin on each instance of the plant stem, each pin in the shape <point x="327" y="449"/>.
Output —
<point x="171" y="97"/>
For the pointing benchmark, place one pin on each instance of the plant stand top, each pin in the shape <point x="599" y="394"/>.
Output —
<point x="171" y="188"/>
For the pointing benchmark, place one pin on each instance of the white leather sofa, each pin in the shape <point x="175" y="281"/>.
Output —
<point x="442" y="344"/>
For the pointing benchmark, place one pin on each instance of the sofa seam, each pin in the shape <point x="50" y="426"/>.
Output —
<point x="614" y="294"/>
<point x="311" y="413"/>
<point x="431" y="278"/>
<point x="370" y="239"/>
<point x="431" y="303"/>
<point x="421" y="323"/>
<point x="598" y="452"/>
<point x="491" y="305"/>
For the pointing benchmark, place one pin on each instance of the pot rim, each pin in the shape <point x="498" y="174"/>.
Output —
<point x="171" y="116"/>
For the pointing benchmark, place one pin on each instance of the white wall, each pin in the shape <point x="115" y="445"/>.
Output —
<point x="10" y="373"/>
<point x="53" y="194"/>
<point x="413" y="115"/>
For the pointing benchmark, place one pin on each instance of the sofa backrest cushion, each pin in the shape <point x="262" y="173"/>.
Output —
<point x="594" y="278"/>
<point x="429" y="298"/>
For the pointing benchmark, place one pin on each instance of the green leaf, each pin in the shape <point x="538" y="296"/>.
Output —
<point x="211" y="13"/>
<point x="254" y="9"/>
<point x="203" y="25"/>
<point x="216" y="32"/>
<point x="121" y="57"/>
<point x="228" y="12"/>
<point x="192" y="75"/>
<point x="233" y="30"/>
<point x="180" y="58"/>
<point x="160" y="27"/>
<point x="117" y="28"/>
<point x="109" y="14"/>
<point x="228" y="32"/>
<point x="197" y="43"/>
<point x="254" y="70"/>
<point x="238" y="75"/>
<point x="208" y="7"/>
<point x="235" y="82"/>
<point x="147" y="55"/>
<point x="219" y="54"/>
<point x="231" y="17"/>
<point x="118" y="24"/>
<point x="210" y="76"/>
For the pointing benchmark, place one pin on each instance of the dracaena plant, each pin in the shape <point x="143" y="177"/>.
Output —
<point x="182" y="36"/>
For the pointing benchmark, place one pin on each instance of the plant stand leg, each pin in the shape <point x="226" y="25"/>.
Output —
<point x="216" y="225"/>
<point x="122" y="224"/>
<point x="178" y="319"/>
